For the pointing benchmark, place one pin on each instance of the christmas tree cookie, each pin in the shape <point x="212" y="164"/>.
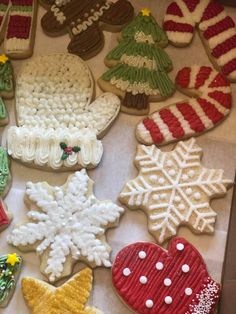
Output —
<point x="10" y="266"/>
<point x="5" y="175"/>
<point x="139" y="66"/>
<point x="71" y="297"/>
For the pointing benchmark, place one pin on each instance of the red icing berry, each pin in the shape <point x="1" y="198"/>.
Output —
<point x="210" y="110"/>
<point x="151" y="280"/>
<point x="19" y="27"/>
<point x="212" y="10"/>
<point x="178" y="27"/>
<point x="172" y="122"/>
<point x="68" y="150"/>
<point x="191" y="116"/>
<point x="174" y="9"/>
<point x="219" y="27"/>
<point x="218" y="81"/>
<point x="229" y="67"/>
<point x="183" y="77"/>
<point x="224" y="99"/>
<point x="224" y="47"/>
<point x="202" y="76"/>
<point x="154" y="130"/>
<point x="191" y="4"/>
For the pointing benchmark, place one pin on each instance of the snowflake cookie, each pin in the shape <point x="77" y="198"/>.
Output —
<point x="71" y="297"/>
<point x="54" y="111"/>
<point x="151" y="280"/>
<point x="68" y="224"/>
<point x="174" y="189"/>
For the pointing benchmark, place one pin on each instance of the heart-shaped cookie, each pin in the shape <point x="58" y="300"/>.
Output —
<point x="151" y="280"/>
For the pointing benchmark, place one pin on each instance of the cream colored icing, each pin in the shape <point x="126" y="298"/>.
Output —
<point x="91" y="19"/>
<point x="204" y="25"/>
<point x="219" y="39"/>
<point x="141" y="37"/>
<point x="227" y="57"/>
<point x="16" y="44"/>
<point x="139" y="61"/>
<point x="180" y="37"/>
<point x="42" y="147"/>
<point x="59" y="15"/>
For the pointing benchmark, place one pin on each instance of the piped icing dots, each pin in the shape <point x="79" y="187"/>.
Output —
<point x="188" y="291"/>
<point x="142" y="255"/>
<point x="197" y="196"/>
<point x="185" y="268"/>
<point x="149" y="304"/>
<point x="159" y="266"/>
<point x="143" y="280"/>
<point x="127" y="272"/>
<point x="167" y="282"/>
<point x="180" y="246"/>
<point x="168" y="300"/>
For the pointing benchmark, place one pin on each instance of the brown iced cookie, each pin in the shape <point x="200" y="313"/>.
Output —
<point x="85" y="20"/>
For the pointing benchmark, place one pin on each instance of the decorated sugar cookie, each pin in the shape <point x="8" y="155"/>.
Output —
<point x="210" y="104"/>
<point x="67" y="224"/>
<point x="151" y="280"/>
<point x="71" y="297"/>
<point x="139" y="66"/>
<point x="173" y="189"/>
<point x="10" y="266"/>
<point x="5" y="175"/>
<point x="5" y="216"/>
<point x="85" y="20"/>
<point x="56" y="115"/>
<point x="216" y="29"/>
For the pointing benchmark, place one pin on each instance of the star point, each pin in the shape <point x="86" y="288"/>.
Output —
<point x="12" y="259"/>
<point x="3" y="59"/>
<point x="145" y="12"/>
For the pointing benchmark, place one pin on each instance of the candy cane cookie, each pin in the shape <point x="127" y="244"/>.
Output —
<point x="216" y="29"/>
<point x="210" y="103"/>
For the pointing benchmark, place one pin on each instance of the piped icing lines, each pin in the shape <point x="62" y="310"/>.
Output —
<point x="5" y="175"/>
<point x="217" y="30"/>
<point x="174" y="189"/>
<point x="5" y="216"/>
<point x="10" y="266"/>
<point x="53" y="106"/>
<point x="71" y="297"/>
<point x="19" y="34"/>
<point x="210" y="106"/>
<point x="67" y="224"/>
<point x="152" y="280"/>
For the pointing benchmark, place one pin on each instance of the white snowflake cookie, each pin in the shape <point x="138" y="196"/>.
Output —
<point x="68" y="224"/>
<point x="58" y="125"/>
<point x="174" y="189"/>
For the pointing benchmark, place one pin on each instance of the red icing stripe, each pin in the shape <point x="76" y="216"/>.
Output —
<point x="223" y="99"/>
<point x="183" y="77"/>
<point x="191" y="4"/>
<point x="210" y="110"/>
<point x="172" y="122"/>
<point x="219" y="81"/>
<point x="219" y="27"/>
<point x="19" y="27"/>
<point x="224" y="47"/>
<point x="178" y="27"/>
<point x="229" y="67"/>
<point x="1" y="19"/>
<point x="202" y="76"/>
<point x="191" y="116"/>
<point x="174" y="9"/>
<point x="22" y="2"/>
<point x="212" y="10"/>
<point x="3" y="216"/>
<point x="154" y="130"/>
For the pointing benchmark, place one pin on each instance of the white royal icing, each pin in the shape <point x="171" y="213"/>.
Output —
<point x="142" y="255"/>
<point x="149" y="304"/>
<point x="68" y="221"/>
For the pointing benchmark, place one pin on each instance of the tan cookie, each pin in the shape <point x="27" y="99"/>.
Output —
<point x="174" y="189"/>
<point x="68" y="225"/>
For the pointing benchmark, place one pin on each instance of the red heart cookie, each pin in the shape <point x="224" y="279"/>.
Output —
<point x="153" y="281"/>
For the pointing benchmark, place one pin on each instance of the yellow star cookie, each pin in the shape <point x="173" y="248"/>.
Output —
<point x="70" y="298"/>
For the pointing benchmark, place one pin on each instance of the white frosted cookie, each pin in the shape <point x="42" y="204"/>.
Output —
<point x="68" y="224"/>
<point x="54" y="112"/>
<point x="173" y="189"/>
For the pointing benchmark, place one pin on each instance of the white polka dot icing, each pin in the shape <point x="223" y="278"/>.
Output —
<point x="172" y="172"/>
<point x="191" y="173"/>
<point x="181" y="206"/>
<point x="185" y="268"/>
<point x="169" y="163"/>
<point x="153" y="178"/>
<point x="189" y="191"/>
<point x="180" y="247"/>
<point x="142" y="255"/>
<point x="126" y="272"/>
<point x="177" y="199"/>
<point x="143" y="280"/>
<point x="188" y="291"/>
<point x="168" y="300"/>
<point x="167" y="282"/>
<point x="197" y="196"/>
<point x="159" y="266"/>
<point x="161" y="180"/>
<point x="185" y="177"/>
<point x="156" y="197"/>
<point x="149" y="304"/>
<point x="163" y="196"/>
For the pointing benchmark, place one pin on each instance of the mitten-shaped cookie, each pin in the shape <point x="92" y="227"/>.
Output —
<point x="139" y="66"/>
<point x="151" y="280"/>
<point x="58" y="125"/>
<point x="216" y="29"/>
<point x="209" y="105"/>
<point x="85" y="20"/>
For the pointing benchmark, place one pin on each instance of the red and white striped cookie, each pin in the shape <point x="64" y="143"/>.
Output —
<point x="217" y="31"/>
<point x="211" y="105"/>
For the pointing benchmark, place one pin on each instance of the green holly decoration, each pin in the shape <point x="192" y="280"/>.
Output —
<point x="68" y="150"/>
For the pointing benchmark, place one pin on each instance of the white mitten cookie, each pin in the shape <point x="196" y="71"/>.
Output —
<point x="58" y="126"/>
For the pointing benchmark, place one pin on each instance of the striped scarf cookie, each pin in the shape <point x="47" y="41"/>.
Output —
<point x="216" y="29"/>
<point x="210" y="104"/>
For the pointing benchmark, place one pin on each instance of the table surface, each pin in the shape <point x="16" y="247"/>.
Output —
<point x="219" y="146"/>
